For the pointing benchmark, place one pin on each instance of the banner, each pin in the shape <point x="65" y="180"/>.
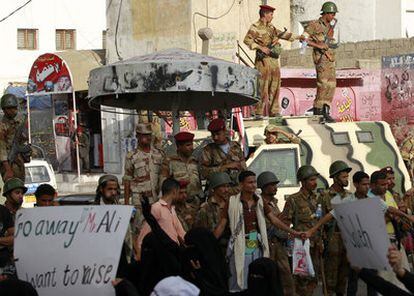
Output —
<point x="363" y="232"/>
<point x="70" y="250"/>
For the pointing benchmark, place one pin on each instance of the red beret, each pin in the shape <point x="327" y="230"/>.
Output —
<point x="184" y="137"/>
<point x="267" y="7"/>
<point x="216" y="125"/>
<point x="183" y="183"/>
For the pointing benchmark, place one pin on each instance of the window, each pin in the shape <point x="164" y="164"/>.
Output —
<point x="365" y="137"/>
<point x="65" y="39"/>
<point x="27" y="38"/>
<point x="36" y="174"/>
<point x="282" y="162"/>
<point x="104" y="39"/>
<point x="341" y="138"/>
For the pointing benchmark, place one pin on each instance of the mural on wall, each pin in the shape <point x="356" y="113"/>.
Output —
<point x="397" y="93"/>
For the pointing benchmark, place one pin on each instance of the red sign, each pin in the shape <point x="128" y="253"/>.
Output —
<point x="49" y="74"/>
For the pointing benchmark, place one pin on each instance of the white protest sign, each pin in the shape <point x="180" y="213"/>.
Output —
<point x="70" y="250"/>
<point x="363" y="231"/>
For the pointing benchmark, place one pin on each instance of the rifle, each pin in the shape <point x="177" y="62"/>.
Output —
<point x="275" y="49"/>
<point x="25" y="150"/>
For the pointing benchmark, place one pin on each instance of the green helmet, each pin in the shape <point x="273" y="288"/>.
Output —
<point x="9" y="101"/>
<point x="106" y="178"/>
<point x="12" y="184"/>
<point x="305" y="172"/>
<point x="337" y="167"/>
<point x="266" y="178"/>
<point x="329" y="7"/>
<point x="218" y="179"/>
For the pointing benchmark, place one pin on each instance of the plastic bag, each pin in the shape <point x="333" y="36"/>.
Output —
<point x="302" y="261"/>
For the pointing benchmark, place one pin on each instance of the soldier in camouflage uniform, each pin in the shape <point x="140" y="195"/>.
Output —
<point x="142" y="168"/>
<point x="264" y="38"/>
<point x="336" y="263"/>
<point x="222" y="155"/>
<point x="407" y="153"/>
<point x="10" y="122"/>
<point x="272" y="133"/>
<point x="319" y="35"/>
<point x="186" y="212"/>
<point x="209" y="214"/>
<point x="267" y="182"/>
<point x="300" y="211"/>
<point x="184" y="167"/>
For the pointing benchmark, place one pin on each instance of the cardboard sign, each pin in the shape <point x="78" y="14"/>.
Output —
<point x="364" y="234"/>
<point x="70" y="250"/>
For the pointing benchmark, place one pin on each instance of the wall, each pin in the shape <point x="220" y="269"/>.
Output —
<point x="365" y="54"/>
<point x="46" y="16"/>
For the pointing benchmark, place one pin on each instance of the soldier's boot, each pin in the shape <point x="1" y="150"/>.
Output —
<point x="325" y="112"/>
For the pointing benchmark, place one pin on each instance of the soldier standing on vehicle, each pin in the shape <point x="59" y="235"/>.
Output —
<point x="84" y="146"/>
<point x="222" y="155"/>
<point x="407" y="153"/>
<point x="272" y="133"/>
<point x="209" y="214"/>
<point x="264" y="38"/>
<point x="300" y="210"/>
<point x="142" y="168"/>
<point x="319" y="34"/>
<point x="267" y="182"/>
<point x="184" y="167"/>
<point x="10" y="125"/>
<point x="336" y="263"/>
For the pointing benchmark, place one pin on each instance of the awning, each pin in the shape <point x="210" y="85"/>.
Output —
<point x="63" y="72"/>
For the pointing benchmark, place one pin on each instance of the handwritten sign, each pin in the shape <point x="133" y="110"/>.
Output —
<point x="71" y="250"/>
<point x="363" y="231"/>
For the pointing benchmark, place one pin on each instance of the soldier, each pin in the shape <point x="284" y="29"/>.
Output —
<point x="184" y="167"/>
<point x="84" y="146"/>
<point x="264" y="38"/>
<point x="300" y="211"/>
<point x="9" y="125"/>
<point x="336" y="263"/>
<point x="209" y="214"/>
<point x="142" y="168"/>
<point x="186" y="211"/>
<point x="272" y="133"/>
<point x="222" y="155"/>
<point x="319" y="35"/>
<point x="267" y="182"/>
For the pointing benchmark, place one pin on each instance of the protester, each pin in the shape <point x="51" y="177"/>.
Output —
<point x="173" y="286"/>
<point x="45" y="195"/>
<point x="208" y="263"/>
<point x="6" y="236"/>
<point x="15" y="287"/>
<point x="108" y="190"/>
<point x="245" y="213"/>
<point x="164" y="212"/>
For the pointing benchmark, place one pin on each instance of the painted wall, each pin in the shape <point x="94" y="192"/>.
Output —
<point x="46" y="16"/>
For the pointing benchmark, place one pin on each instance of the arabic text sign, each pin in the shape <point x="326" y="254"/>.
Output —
<point x="364" y="234"/>
<point x="71" y="250"/>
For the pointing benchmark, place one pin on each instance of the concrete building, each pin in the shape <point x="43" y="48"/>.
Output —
<point x="141" y="27"/>
<point x="361" y="20"/>
<point x="46" y="26"/>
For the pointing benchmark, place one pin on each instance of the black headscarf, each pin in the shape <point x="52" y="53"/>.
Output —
<point x="212" y="277"/>
<point x="17" y="287"/>
<point x="264" y="278"/>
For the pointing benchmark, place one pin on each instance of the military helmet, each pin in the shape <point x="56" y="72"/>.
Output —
<point x="9" y="101"/>
<point x="266" y="178"/>
<point x="218" y="179"/>
<point x="337" y="167"/>
<point x="106" y="178"/>
<point x="329" y="7"/>
<point x="305" y="172"/>
<point x="12" y="184"/>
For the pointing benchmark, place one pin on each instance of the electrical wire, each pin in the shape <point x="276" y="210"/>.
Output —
<point x="116" y="31"/>
<point x="14" y="11"/>
<point x="208" y="17"/>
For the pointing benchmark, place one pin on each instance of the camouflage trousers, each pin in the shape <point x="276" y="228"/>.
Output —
<point x="305" y="286"/>
<point x="336" y="266"/>
<point x="18" y="171"/>
<point x="325" y="81"/>
<point x="279" y="255"/>
<point x="269" y="85"/>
